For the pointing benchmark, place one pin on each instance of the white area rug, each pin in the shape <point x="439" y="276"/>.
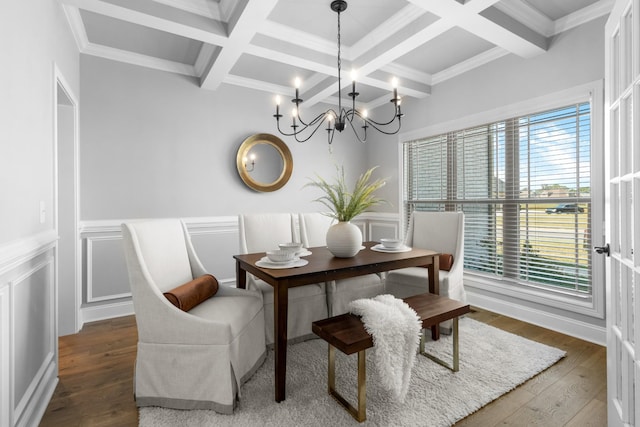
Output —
<point x="492" y="362"/>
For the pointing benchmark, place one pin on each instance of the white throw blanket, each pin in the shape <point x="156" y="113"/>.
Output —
<point x="395" y="328"/>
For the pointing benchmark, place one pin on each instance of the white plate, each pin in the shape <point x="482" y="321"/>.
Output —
<point x="268" y="264"/>
<point x="268" y="261"/>
<point x="305" y="252"/>
<point x="380" y="248"/>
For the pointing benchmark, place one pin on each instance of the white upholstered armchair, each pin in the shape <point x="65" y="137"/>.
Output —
<point x="439" y="231"/>
<point x="261" y="233"/>
<point x="187" y="360"/>
<point x="313" y="232"/>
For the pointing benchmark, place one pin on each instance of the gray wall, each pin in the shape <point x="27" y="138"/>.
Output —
<point x="34" y="35"/>
<point x="156" y="145"/>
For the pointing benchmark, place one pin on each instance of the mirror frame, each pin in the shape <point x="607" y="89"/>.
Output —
<point x="283" y="150"/>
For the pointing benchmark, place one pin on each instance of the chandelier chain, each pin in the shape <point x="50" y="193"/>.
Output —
<point x="339" y="68"/>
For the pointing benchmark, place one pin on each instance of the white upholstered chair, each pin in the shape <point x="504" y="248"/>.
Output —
<point x="313" y="232"/>
<point x="261" y="233"/>
<point x="187" y="360"/>
<point x="439" y="231"/>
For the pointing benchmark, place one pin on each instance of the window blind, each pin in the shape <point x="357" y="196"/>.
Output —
<point x="524" y="186"/>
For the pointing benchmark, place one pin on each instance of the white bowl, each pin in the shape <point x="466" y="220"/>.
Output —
<point x="294" y="247"/>
<point x="280" y="256"/>
<point x="391" y="243"/>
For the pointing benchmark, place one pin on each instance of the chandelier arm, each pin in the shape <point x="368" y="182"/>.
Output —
<point x="317" y="126"/>
<point x="364" y="138"/>
<point x="377" y="127"/>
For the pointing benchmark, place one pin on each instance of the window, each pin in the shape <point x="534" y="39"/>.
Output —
<point x="524" y="184"/>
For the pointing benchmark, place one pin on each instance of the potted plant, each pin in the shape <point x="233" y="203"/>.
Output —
<point x="343" y="238"/>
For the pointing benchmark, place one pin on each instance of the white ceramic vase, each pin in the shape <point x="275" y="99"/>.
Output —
<point x="344" y="239"/>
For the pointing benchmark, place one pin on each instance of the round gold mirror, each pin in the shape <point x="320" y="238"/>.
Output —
<point x="264" y="162"/>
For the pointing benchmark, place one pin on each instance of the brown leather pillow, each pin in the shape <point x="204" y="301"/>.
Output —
<point x="446" y="261"/>
<point x="192" y="293"/>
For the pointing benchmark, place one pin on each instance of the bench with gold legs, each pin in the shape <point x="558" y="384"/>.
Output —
<point x="346" y="332"/>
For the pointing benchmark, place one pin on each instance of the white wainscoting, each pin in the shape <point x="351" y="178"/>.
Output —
<point x="28" y="329"/>
<point x="216" y="240"/>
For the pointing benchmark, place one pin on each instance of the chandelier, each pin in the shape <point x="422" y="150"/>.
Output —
<point x="303" y="131"/>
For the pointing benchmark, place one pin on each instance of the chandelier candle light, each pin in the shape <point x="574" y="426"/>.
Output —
<point x="343" y="116"/>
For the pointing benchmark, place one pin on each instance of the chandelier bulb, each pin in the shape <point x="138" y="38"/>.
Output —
<point x="278" y="100"/>
<point x="296" y="83"/>
<point x="394" y="83"/>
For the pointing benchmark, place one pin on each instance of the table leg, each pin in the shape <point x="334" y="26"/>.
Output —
<point x="241" y="276"/>
<point x="434" y="288"/>
<point x="280" y="308"/>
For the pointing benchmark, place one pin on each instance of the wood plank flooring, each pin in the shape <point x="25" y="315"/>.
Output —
<point x="96" y="380"/>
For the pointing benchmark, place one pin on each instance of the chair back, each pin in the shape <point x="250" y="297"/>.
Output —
<point x="313" y="228"/>
<point x="439" y="231"/>
<point x="158" y="249"/>
<point x="263" y="232"/>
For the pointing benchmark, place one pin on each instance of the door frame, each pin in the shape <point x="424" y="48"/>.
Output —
<point x="59" y="81"/>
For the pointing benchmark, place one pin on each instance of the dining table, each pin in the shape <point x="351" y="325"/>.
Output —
<point x="322" y="267"/>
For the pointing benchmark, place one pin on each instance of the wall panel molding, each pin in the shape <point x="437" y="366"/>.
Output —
<point x="28" y="329"/>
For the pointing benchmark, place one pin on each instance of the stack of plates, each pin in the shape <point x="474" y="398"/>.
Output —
<point x="265" y="262"/>
<point x="380" y="248"/>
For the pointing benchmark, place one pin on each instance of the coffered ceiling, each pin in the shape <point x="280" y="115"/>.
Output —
<point x="265" y="44"/>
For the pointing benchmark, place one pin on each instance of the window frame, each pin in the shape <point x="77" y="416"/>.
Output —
<point x="592" y="306"/>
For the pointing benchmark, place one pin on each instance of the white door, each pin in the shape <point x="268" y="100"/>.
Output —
<point x="622" y="201"/>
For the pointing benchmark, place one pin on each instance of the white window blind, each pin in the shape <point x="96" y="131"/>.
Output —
<point x="524" y="186"/>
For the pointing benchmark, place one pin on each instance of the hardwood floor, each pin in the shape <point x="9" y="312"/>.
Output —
<point x="96" y="380"/>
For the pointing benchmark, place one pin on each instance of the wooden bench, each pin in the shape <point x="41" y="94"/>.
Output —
<point x="346" y="332"/>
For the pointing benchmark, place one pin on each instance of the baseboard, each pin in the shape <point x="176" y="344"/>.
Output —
<point x="105" y="311"/>
<point x="38" y="402"/>
<point x="565" y="325"/>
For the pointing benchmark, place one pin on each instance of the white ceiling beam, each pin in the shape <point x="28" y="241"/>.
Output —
<point x="139" y="59"/>
<point x="469" y="64"/>
<point x="579" y="17"/>
<point x="242" y="28"/>
<point x="199" y="7"/>
<point x="524" y="12"/>
<point x="297" y="37"/>
<point x="77" y="26"/>
<point x="382" y="32"/>
<point x="160" y="17"/>
<point x="467" y="17"/>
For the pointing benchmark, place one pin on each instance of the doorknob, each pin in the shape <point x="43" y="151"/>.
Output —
<point x="603" y="249"/>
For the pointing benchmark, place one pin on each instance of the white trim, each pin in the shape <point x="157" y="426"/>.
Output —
<point x="6" y="373"/>
<point x="26" y="410"/>
<point x="20" y="251"/>
<point x="106" y="311"/>
<point x="576" y="94"/>
<point x="60" y="81"/>
<point x="551" y="299"/>
<point x="393" y="226"/>
<point x="90" y="297"/>
<point x="140" y="60"/>
<point x="564" y="325"/>
<point x="593" y="92"/>
<point x="469" y="64"/>
<point x="582" y="16"/>
<point x="41" y="397"/>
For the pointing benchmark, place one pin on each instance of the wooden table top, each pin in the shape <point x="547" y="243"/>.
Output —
<point x="323" y="266"/>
